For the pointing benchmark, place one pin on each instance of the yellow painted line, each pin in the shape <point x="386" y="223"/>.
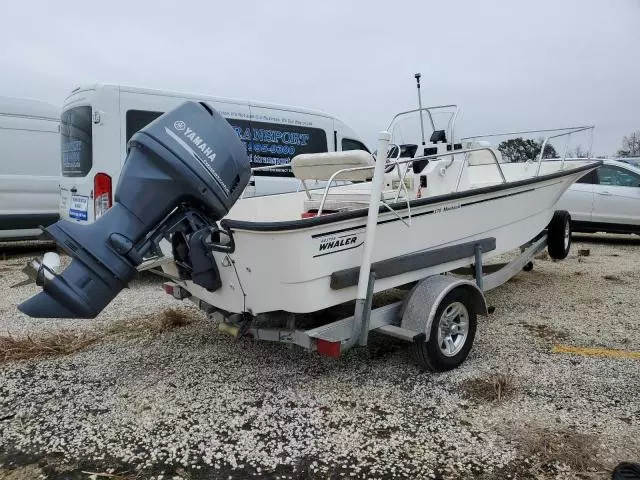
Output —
<point x="596" y="352"/>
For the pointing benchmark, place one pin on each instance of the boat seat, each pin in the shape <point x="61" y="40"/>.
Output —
<point x="321" y="166"/>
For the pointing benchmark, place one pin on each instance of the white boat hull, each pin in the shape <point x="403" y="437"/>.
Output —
<point x="290" y="269"/>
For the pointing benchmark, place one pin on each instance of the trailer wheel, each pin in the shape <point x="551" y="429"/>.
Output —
<point x="452" y="333"/>
<point x="559" y="235"/>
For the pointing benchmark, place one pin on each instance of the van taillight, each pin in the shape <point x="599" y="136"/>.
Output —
<point x="101" y="194"/>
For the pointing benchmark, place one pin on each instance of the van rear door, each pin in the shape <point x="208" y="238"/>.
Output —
<point x="89" y="133"/>
<point x="76" y="134"/>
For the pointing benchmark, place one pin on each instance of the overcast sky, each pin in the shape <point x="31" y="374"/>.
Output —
<point x="510" y="65"/>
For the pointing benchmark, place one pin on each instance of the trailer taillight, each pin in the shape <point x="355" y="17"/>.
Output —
<point x="176" y="291"/>
<point x="168" y="288"/>
<point x="101" y="194"/>
<point x="327" y="348"/>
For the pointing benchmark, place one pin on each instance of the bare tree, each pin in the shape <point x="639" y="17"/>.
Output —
<point x="630" y="145"/>
<point x="580" y="153"/>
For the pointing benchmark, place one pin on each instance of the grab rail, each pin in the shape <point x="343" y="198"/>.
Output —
<point x="466" y="162"/>
<point x="354" y="169"/>
<point x="544" y="144"/>
<point x="567" y="131"/>
<point x="450" y="123"/>
<point x="544" y="130"/>
<point x="401" y="185"/>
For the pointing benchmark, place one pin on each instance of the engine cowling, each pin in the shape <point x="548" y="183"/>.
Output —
<point x="183" y="173"/>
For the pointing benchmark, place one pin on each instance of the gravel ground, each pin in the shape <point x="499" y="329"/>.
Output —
<point x="193" y="403"/>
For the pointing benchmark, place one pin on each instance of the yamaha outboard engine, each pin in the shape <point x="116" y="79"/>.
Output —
<point x="183" y="173"/>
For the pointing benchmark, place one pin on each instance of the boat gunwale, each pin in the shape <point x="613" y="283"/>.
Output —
<point x="285" y="225"/>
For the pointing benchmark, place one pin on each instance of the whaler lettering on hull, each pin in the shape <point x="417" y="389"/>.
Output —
<point x="333" y="243"/>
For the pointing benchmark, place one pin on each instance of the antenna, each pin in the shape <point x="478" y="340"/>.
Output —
<point x="417" y="76"/>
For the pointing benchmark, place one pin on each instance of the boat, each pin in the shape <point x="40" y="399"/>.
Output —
<point x="405" y="216"/>
<point x="281" y="261"/>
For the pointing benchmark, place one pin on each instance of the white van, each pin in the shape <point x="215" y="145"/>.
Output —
<point x="97" y="122"/>
<point x="29" y="167"/>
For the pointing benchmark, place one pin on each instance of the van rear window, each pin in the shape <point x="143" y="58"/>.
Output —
<point x="76" y="138"/>
<point x="138" y="119"/>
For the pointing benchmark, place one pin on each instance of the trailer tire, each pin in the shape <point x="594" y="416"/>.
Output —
<point x="429" y="354"/>
<point x="559" y="235"/>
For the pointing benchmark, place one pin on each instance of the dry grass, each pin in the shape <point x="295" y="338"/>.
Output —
<point x="577" y="450"/>
<point x="155" y="323"/>
<point x="494" y="388"/>
<point x="65" y="342"/>
<point x="62" y="342"/>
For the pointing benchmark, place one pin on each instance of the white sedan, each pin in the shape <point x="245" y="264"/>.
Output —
<point x="605" y="200"/>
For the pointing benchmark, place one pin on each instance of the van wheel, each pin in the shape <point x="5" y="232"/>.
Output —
<point x="559" y="235"/>
<point x="451" y="334"/>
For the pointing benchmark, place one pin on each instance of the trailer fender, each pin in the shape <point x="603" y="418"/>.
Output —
<point x="422" y="302"/>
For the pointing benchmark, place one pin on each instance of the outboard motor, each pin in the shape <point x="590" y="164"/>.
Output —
<point x="183" y="173"/>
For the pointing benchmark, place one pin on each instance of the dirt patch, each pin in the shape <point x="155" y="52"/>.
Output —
<point x="542" y="256"/>
<point x="545" y="332"/>
<point x="613" y="278"/>
<point x="493" y="388"/>
<point x="29" y="472"/>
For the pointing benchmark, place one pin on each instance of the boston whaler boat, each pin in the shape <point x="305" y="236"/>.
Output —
<point x="285" y="267"/>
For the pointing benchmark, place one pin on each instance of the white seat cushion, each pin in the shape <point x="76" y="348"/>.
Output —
<point x="321" y="166"/>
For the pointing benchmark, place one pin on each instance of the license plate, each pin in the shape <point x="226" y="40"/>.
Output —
<point x="79" y="207"/>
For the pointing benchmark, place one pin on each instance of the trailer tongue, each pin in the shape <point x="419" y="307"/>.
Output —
<point x="183" y="172"/>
